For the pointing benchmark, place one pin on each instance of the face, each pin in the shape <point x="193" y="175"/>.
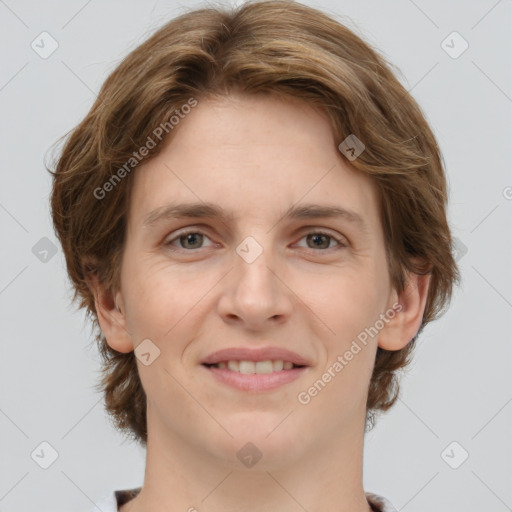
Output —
<point x="274" y="275"/>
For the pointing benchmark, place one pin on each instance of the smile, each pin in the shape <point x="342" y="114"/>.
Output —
<point x="254" y="376"/>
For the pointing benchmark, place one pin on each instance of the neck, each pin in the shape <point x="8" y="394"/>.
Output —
<point x="182" y="477"/>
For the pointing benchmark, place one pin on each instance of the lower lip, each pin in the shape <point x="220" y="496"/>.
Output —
<point x="255" y="381"/>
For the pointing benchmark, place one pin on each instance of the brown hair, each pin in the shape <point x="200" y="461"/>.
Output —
<point x="270" y="47"/>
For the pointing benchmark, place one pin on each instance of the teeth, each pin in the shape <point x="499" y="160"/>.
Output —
<point x="234" y="366"/>
<point x="264" y="367"/>
<point x="259" y="367"/>
<point x="247" y="367"/>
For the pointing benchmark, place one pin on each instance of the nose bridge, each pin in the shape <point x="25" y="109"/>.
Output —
<point x="255" y="293"/>
<point x="254" y="277"/>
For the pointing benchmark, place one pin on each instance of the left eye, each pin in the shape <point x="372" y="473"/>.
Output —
<point x="319" y="239"/>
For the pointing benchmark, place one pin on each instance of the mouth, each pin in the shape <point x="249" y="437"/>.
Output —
<point x="254" y="376"/>
<point x="255" y="370"/>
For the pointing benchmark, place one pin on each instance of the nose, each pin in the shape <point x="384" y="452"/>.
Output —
<point x="255" y="296"/>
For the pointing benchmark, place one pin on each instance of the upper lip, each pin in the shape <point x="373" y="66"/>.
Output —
<point x="255" y="354"/>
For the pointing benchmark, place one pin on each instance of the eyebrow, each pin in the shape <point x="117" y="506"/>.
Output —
<point x="210" y="210"/>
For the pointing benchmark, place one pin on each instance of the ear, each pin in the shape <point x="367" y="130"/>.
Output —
<point x="110" y="311"/>
<point x="409" y="307"/>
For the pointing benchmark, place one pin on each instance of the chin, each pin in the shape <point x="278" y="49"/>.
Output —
<point x="264" y="436"/>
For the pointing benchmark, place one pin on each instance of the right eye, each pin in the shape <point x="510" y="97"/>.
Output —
<point x="186" y="239"/>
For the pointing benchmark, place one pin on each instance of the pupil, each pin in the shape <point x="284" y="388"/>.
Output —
<point x="190" y="237"/>
<point x="316" y="237"/>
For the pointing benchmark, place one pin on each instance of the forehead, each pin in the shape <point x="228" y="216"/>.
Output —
<point x="253" y="156"/>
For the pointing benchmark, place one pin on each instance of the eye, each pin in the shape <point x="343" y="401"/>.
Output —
<point x="322" y="240"/>
<point x="193" y="239"/>
<point x="188" y="240"/>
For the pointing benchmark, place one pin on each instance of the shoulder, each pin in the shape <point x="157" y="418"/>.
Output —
<point x="379" y="503"/>
<point x="114" y="499"/>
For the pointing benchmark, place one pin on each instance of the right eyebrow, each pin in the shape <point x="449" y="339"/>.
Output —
<point x="186" y="210"/>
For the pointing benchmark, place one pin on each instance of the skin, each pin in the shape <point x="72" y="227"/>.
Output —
<point x="255" y="156"/>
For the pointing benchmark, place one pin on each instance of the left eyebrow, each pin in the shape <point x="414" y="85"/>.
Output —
<point x="210" y="210"/>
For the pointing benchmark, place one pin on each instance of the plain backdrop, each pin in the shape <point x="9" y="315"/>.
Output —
<point x="446" y="445"/>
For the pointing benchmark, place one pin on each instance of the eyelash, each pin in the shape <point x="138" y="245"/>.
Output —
<point x="341" y="241"/>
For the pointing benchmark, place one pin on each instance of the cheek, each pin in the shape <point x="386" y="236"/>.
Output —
<point x="353" y="301"/>
<point x="150" y="299"/>
<point x="350" y="309"/>
<point x="161" y="300"/>
<point x="354" y="305"/>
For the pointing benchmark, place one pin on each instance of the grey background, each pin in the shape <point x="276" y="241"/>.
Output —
<point x="460" y="385"/>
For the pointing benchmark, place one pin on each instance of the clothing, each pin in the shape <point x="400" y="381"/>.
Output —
<point x="115" y="499"/>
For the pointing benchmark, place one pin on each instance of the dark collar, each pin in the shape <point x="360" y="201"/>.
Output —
<point x="124" y="496"/>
